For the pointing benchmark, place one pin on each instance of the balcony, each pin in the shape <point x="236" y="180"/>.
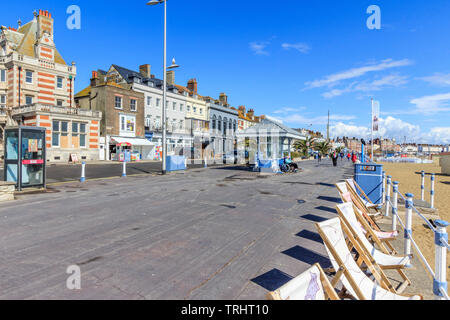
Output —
<point x="37" y="107"/>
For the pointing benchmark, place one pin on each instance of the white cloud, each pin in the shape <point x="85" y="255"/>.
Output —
<point x="294" y="119"/>
<point x="367" y="87"/>
<point x="334" y="79"/>
<point x="394" y="129"/>
<point x="432" y="104"/>
<point x="438" y="79"/>
<point x="300" y="47"/>
<point x="288" y="110"/>
<point x="259" y="48"/>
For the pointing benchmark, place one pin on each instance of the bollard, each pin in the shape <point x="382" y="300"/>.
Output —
<point x="124" y="171"/>
<point x="440" y="280"/>
<point x="383" y="187"/>
<point x="395" y="206"/>
<point x="433" y="179"/>
<point x="206" y="163"/>
<point x="422" y="187"/>
<point x="83" y="172"/>
<point x="408" y="223"/>
<point x="388" y="195"/>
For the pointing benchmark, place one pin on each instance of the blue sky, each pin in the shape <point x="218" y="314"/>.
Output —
<point x="292" y="59"/>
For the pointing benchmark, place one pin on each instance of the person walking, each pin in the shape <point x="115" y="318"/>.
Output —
<point x="349" y="157"/>
<point x="335" y="158"/>
<point x="319" y="157"/>
<point x="354" y="158"/>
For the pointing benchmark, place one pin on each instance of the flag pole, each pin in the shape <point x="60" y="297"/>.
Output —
<point x="371" y="156"/>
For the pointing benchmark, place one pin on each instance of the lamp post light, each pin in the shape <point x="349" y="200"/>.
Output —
<point x="164" y="105"/>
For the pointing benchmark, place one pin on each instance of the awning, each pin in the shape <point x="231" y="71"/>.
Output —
<point x="132" y="141"/>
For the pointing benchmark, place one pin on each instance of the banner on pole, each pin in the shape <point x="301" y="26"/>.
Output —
<point x="376" y="116"/>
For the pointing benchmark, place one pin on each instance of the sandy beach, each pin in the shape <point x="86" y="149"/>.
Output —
<point x="409" y="177"/>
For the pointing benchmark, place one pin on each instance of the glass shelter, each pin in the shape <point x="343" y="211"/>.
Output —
<point x="25" y="149"/>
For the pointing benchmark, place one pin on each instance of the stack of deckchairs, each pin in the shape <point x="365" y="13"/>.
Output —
<point x="359" y="252"/>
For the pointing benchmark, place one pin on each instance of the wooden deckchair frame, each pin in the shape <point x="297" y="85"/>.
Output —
<point x="330" y="293"/>
<point x="378" y="274"/>
<point x="368" y="222"/>
<point x="399" y="268"/>
<point x="359" y="199"/>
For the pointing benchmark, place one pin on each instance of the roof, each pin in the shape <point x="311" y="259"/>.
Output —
<point x="83" y="93"/>
<point x="126" y="74"/>
<point x="269" y="126"/>
<point x="25" y="39"/>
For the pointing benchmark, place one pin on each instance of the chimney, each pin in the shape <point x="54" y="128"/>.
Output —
<point x="45" y="23"/>
<point x="242" y="109"/>
<point x="145" y="70"/>
<point x="94" y="79"/>
<point x="170" y="78"/>
<point x="251" y="113"/>
<point x="224" y="99"/>
<point x="192" y="85"/>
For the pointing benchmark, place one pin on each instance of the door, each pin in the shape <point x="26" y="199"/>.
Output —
<point x="101" y="155"/>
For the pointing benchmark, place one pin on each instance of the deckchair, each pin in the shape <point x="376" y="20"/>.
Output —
<point x="384" y="260"/>
<point x="355" y="280"/>
<point x="363" y="198"/>
<point x="347" y="196"/>
<point x="313" y="284"/>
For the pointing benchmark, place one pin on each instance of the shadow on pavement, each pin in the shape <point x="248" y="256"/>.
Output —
<point x="272" y="280"/>
<point x="306" y="234"/>
<point x="327" y="209"/>
<point x="330" y="199"/>
<point x="307" y="256"/>
<point x="313" y="218"/>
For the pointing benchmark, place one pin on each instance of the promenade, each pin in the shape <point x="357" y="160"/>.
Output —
<point x="216" y="233"/>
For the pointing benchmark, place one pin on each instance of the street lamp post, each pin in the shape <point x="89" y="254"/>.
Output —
<point x="164" y="104"/>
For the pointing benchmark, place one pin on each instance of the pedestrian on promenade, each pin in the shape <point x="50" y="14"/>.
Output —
<point x="319" y="157"/>
<point x="354" y="158"/>
<point x="349" y="157"/>
<point x="335" y="158"/>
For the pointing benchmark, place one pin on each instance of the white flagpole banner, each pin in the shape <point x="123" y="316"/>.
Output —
<point x="376" y="116"/>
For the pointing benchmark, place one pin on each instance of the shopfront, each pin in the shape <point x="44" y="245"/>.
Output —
<point x="131" y="149"/>
<point x="25" y="157"/>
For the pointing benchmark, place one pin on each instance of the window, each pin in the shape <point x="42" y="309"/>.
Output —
<point x="148" y="121"/>
<point x="174" y="106"/>
<point x="133" y="105"/>
<point x="158" y="102"/>
<point x="83" y="135"/>
<point x="214" y="123"/>
<point x="59" y="103"/>
<point x="28" y="100"/>
<point x="189" y="108"/>
<point x="149" y="101"/>
<point x="181" y="107"/>
<point x="55" y="134"/>
<point x="195" y="109"/>
<point x="118" y="102"/>
<point x="181" y="124"/>
<point x="2" y="104"/>
<point x="3" y="75"/>
<point x="201" y="110"/>
<point x="29" y="76"/>
<point x="59" y="82"/>
<point x="127" y="126"/>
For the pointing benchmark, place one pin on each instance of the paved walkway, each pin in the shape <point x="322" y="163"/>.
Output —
<point x="219" y="233"/>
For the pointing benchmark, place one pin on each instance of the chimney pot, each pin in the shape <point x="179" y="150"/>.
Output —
<point x="145" y="70"/>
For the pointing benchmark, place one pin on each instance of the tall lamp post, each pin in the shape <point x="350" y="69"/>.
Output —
<point x="164" y="105"/>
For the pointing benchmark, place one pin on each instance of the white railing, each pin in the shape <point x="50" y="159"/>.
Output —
<point x="439" y="276"/>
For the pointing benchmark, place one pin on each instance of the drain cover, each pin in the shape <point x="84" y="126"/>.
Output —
<point x="301" y="201"/>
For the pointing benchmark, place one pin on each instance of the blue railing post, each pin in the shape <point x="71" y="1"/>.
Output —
<point x="383" y="187"/>
<point x="395" y="206"/>
<point x="422" y="187"/>
<point x="440" y="281"/>
<point x="433" y="179"/>
<point x="83" y="172"/>
<point x="408" y="222"/>
<point x="388" y="195"/>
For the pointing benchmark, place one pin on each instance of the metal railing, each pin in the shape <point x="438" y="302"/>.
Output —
<point x="439" y="275"/>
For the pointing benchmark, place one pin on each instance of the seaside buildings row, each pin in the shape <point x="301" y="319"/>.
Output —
<point x="121" y="109"/>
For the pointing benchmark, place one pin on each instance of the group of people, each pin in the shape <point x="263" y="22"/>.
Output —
<point x="335" y="156"/>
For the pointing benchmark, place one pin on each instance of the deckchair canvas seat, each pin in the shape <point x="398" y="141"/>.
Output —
<point x="313" y="284"/>
<point x="356" y="282"/>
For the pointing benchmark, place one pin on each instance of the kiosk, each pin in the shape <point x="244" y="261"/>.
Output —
<point x="25" y="157"/>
